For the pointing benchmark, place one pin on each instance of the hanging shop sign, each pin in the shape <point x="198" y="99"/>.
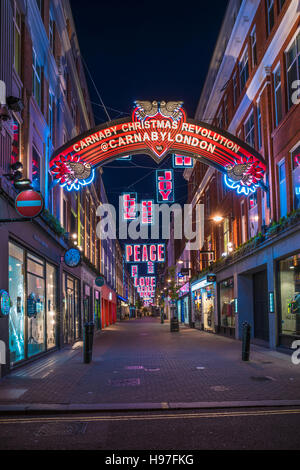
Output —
<point x="143" y="253"/>
<point x="72" y="257"/>
<point x="100" y="281"/>
<point x="180" y="161"/>
<point x="150" y="267"/>
<point x="4" y="302"/>
<point x="147" y="207"/>
<point x="134" y="270"/>
<point x="129" y="205"/>
<point x="29" y="203"/>
<point x="158" y="129"/>
<point x="164" y="186"/>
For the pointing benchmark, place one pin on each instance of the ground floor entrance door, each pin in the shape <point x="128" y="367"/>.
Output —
<point x="260" y="305"/>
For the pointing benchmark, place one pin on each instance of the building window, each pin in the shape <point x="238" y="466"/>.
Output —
<point x="270" y="15"/>
<point x="32" y="319"/>
<point x="252" y="201"/>
<point x="244" y="69"/>
<point x="280" y="4"/>
<point x="277" y="93"/>
<point x="282" y="188"/>
<point x="225" y="111"/>
<point x="259" y="135"/>
<point x="295" y="155"/>
<point x="220" y="119"/>
<point x="65" y="215"/>
<point x="50" y="193"/>
<point x="289" y="285"/>
<point x="253" y="215"/>
<point x="17" y="39"/>
<point x="226" y="234"/>
<point x="249" y="130"/>
<point x="51" y="114"/>
<point x="40" y="5"/>
<point x="227" y="303"/>
<point x="293" y="68"/>
<point x="235" y="89"/>
<point x="36" y="170"/>
<point x="253" y="47"/>
<point x="36" y="79"/>
<point x="51" y="33"/>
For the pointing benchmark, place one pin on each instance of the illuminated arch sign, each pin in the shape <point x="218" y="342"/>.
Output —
<point x="158" y="129"/>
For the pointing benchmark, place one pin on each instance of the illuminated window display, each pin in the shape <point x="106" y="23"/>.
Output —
<point x="71" y="312"/>
<point x="227" y="303"/>
<point x="203" y="304"/>
<point x="289" y="286"/>
<point x="32" y="288"/>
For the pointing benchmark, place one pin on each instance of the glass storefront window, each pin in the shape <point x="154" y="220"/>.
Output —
<point x="71" y="312"/>
<point x="35" y="306"/>
<point x="296" y="176"/>
<point x="289" y="280"/>
<point x="51" y="305"/>
<point x="17" y="295"/>
<point x="227" y="303"/>
<point x="32" y="320"/>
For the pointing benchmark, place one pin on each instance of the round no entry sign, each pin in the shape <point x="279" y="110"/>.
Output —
<point x="29" y="203"/>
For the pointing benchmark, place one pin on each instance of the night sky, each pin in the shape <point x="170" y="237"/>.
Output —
<point x="145" y="50"/>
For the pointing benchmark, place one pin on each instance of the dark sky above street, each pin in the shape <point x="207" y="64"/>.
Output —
<point x="145" y="50"/>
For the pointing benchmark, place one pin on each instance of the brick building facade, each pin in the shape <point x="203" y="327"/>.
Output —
<point x="251" y="91"/>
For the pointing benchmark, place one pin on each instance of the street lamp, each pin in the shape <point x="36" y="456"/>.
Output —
<point x="217" y="218"/>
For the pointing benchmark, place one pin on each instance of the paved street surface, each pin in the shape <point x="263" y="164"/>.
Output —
<point x="148" y="388"/>
<point x="222" y="429"/>
<point x="139" y="362"/>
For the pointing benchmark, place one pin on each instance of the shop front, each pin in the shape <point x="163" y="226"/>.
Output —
<point x="97" y="309"/>
<point x="203" y="300"/>
<point x="123" y="308"/>
<point x="227" y="307"/>
<point x="71" y="313"/>
<point x="289" y="299"/>
<point x="33" y="314"/>
<point x="183" y="307"/>
<point x="108" y="306"/>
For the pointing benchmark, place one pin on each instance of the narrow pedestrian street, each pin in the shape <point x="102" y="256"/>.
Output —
<point x="141" y="364"/>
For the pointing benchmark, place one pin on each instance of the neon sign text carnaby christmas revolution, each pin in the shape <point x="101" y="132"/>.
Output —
<point x="158" y="129"/>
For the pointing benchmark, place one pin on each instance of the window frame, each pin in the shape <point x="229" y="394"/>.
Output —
<point x="270" y="8"/>
<point x="244" y="65"/>
<point x="252" y="129"/>
<point x="253" y="47"/>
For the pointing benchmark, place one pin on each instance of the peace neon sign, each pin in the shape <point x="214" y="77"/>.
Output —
<point x="158" y="129"/>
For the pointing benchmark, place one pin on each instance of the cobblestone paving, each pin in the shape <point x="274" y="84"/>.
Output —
<point x="140" y="361"/>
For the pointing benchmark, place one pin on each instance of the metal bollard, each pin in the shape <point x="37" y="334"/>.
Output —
<point x="174" y="325"/>
<point x="246" y="335"/>
<point x="88" y="342"/>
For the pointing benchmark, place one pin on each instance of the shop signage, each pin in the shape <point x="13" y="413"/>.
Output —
<point x="4" y="302"/>
<point x="143" y="253"/>
<point x="211" y="278"/>
<point x="72" y="257"/>
<point x="158" y="129"/>
<point x="164" y="186"/>
<point x="29" y="203"/>
<point x="147" y="212"/>
<point x="150" y="267"/>
<point x="129" y="206"/>
<point x="271" y="302"/>
<point x="185" y="289"/>
<point x="100" y="281"/>
<point x="179" y="161"/>
<point x="134" y="270"/>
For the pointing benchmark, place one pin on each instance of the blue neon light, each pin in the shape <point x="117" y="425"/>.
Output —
<point x="239" y="188"/>
<point x="78" y="184"/>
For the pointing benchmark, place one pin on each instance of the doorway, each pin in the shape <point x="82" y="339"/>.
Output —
<point x="260" y="305"/>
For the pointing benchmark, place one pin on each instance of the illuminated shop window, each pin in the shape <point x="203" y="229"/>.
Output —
<point x="295" y="155"/>
<point x="282" y="188"/>
<point x="289" y="280"/>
